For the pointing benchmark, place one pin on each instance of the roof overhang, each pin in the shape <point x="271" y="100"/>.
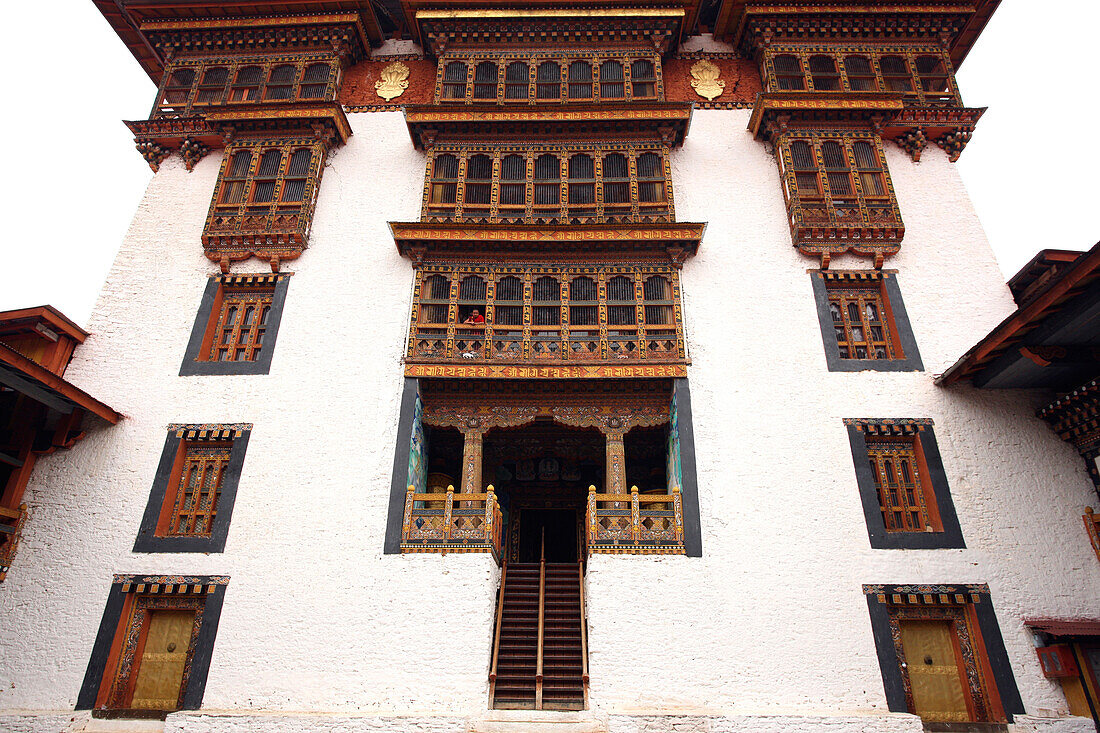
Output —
<point x="671" y="242"/>
<point x="781" y="108"/>
<point x="139" y="22"/>
<point x="43" y="386"/>
<point x="217" y="124"/>
<point x="1023" y="351"/>
<point x="738" y="21"/>
<point x="667" y="121"/>
<point x="1065" y="626"/>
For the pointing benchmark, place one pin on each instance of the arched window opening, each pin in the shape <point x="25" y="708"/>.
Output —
<point x="454" y="81"/>
<point x="616" y="183"/>
<point x="212" y="86"/>
<point x="895" y="74"/>
<point x="547" y="184"/>
<point x="435" y="296"/>
<point x="580" y="80"/>
<point x="788" y="72"/>
<point x="246" y="86"/>
<point x="314" y="81"/>
<point x="611" y="80"/>
<point x="583" y="310"/>
<point x="236" y="177"/>
<point x="548" y="80"/>
<point x="297" y="171"/>
<point x="267" y="174"/>
<point x="620" y="301"/>
<point x="643" y="79"/>
<point x="861" y="77"/>
<point x="485" y="80"/>
<point x="513" y="186"/>
<point x="471" y="300"/>
<point x="508" y="308"/>
<point x="657" y="292"/>
<point x="807" y="181"/>
<point x="582" y="182"/>
<point x="651" y="179"/>
<point x="516" y="80"/>
<point x="179" y="86"/>
<point x="479" y="178"/>
<point x="836" y="169"/>
<point x="823" y="73"/>
<point x="869" y="170"/>
<point x="444" y="187"/>
<point x="280" y="83"/>
<point x="546" y="297"/>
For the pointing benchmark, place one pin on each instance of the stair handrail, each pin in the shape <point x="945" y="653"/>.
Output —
<point x="584" y="631"/>
<point x="496" y="635"/>
<point x="542" y="619"/>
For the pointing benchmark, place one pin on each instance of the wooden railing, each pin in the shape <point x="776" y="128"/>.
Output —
<point x="436" y="523"/>
<point x="635" y="523"/>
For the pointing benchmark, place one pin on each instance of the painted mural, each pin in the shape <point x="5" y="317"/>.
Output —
<point x="418" y="450"/>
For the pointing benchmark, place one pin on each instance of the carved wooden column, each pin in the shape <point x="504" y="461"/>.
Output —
<point x="615" y="473"/>
<point x="471" y="461"/>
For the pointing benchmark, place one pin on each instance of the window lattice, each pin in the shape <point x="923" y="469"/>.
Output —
<point x="895" y="467"/>
<point x="555" y="80"/>
<point x="861" y="326"/>
<point x="241" y="325"/>
<point x="198" y="489"/>
<point x="201" y="83"/>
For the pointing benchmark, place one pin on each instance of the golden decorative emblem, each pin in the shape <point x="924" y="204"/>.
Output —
<point x="394" y="82"/>
<point x="705" y="80"/>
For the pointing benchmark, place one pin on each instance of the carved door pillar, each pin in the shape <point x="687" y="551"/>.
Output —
<point x="615" y="473"/>
<point x="471" y="462"/>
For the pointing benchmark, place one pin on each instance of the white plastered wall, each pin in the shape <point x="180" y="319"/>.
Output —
<point x="771" y="620"/>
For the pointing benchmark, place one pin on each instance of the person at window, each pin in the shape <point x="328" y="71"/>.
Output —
<point x="475" y="318"/>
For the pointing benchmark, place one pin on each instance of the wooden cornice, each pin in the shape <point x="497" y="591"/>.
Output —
<point x="781" y="108"/>
<point x="220" y="123"/>
<point x="745" y="23"/>
<point x="666" y="121"/>
<point x="667" y="241"/>
<point x="141" y="24"/>
<point x="43" y="385"/>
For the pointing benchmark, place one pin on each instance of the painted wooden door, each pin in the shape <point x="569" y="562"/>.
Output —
<point x="935" y="676"/>
<point x="160" y="671"/>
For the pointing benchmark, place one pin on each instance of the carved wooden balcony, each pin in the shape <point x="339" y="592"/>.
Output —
<point x="634" y="523"/>
<point x="437" y="522"/>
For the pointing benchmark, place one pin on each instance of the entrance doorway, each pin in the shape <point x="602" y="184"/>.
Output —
<point x="550" y="534"/>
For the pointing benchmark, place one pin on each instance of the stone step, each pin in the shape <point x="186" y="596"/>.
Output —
<point x="538" y="721"/>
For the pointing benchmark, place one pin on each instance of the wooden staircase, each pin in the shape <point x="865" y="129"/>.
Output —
<point x="540" y="659"/>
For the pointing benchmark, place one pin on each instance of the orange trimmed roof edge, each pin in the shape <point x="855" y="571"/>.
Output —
<point x="57" y="385"/>
<point x="51" y="315"/>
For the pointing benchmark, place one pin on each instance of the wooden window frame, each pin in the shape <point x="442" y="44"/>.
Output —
<point x="154" y="533"/>
<point x="114" y="662"/>
<point x="198" y="357"/>
<point x="903" y="353"/>
<point x="446" y="92"/>
<point x="579" y="343"/>
<point x="934" y="493"/>
<point x="993" y="698"/>
<point x="563" y="211"/>
<point x="199" y="67"/>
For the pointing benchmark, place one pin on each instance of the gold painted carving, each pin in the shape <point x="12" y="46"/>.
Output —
<point x="705" y="80"/>
<point x="394" y="82"/>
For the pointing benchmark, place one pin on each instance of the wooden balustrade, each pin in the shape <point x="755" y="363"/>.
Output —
<point x="436" y="523"/>
<point x="635" y="523"/>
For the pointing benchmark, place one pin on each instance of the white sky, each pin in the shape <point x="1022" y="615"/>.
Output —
<point x="75" y="178"/>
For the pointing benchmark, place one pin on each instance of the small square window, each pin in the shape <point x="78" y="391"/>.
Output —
<point x="863" y="322"/>
<point x="235" y="330"/>
<point x="902" y="485"/>
<point x="192" y="498"/>
<point x="942" y="656"/>
<point x="152" y="653"/>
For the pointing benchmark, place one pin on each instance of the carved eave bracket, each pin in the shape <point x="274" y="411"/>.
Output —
<point x="666" y="242"/>
<point x="775" y="111"/>
<point x="194" y="137"/>
<point x="949" y="127"/>
<point x="666" y="121"/>
<point x="658" y="28"/>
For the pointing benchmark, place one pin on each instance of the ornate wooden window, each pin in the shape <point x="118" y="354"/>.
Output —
<point x="194" y="83"/>
<point x="941" y="653"/>
<point x="921" y="72"/>
<point x="152" y="653"/>
<point x="537" y="313"/>
<point x="902" y="484"/>
<point x="612" y="76"/>
<point x="863" y="321"/>
<point x="266" y="188"/>
<point x="838" y="189"/>
<point x="195" y="486"/>
<point x="523" y="183"/>
<point x="235" y="329"/>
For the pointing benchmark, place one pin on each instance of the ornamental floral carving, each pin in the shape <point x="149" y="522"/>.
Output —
<point x="705" y="80"/>
<point x="394" y="82"/>
<point x="153" y="153"/>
